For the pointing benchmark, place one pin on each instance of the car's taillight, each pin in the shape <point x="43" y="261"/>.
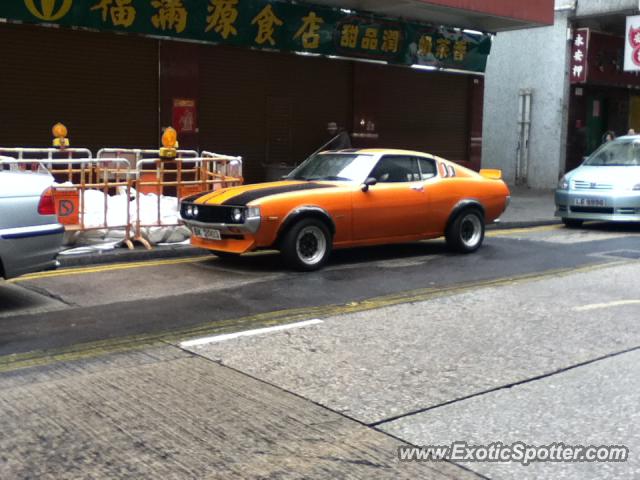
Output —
<point x="46" y="205"/>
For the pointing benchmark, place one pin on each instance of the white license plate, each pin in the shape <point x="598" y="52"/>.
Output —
<point x="589" y="202"/>
<point x="208" y="233"/>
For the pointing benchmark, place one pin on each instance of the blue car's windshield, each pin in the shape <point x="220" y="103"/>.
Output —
<point x="617" y="153"/>
<point x="349" y="167"/>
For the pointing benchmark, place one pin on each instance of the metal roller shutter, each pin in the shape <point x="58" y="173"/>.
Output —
<point x="424" y="111"/>
<point x="104" y="87"/>
<point x="269" y="107"/>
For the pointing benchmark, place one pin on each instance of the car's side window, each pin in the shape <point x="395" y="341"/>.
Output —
<point x="428" y="168"/>
<point x="396" y="168"/>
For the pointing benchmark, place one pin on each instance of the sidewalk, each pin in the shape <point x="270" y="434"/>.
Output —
<point x="163" y="413"/>
<point x="528" y="208"/>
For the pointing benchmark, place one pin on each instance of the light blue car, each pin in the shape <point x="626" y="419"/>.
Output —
<point x="30" y="235"/>
<point x="606" y="187"/>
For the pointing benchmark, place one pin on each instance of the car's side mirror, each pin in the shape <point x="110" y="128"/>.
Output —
<point x="369" y="182"/>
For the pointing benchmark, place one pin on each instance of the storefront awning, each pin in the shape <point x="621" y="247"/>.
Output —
<point x="307" y="28"/>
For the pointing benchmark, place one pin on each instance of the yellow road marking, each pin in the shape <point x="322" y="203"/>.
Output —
<point x="516" y="231"/>
<point x="597" y="306"/>
<point x="108" y="268"/>
<point x="156" y="263"/>
<point x="138" y="342"/>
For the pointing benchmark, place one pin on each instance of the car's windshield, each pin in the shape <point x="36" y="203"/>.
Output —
<point x="618" y="153"/>
<point x="349" y="167"/>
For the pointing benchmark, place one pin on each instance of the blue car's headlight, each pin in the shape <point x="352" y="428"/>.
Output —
<point x="563" y="184"/>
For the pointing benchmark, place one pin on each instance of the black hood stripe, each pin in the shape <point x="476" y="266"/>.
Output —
<point x="251" y="195"/>
<point x="193" y="198"/>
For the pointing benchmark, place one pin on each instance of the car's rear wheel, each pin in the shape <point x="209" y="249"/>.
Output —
<point x="465" y="233"/>
<point x="306" y="246"/>
<point x="572" y="222"/>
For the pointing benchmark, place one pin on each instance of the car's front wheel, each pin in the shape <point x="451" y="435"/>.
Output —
<point x="572" y="222"/>
<point x="306" y="245"/>
<point x="466" y="232"/>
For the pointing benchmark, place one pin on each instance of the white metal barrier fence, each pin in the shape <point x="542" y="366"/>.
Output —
<point x="130" y="173"/>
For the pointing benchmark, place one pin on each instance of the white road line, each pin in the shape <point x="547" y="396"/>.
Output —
<point x="247" y="333"/>
<point x="597" y="306"/>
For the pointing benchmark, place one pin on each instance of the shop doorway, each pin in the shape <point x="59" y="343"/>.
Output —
<point x="596" y="123"/>
<point x="634" y="113"/>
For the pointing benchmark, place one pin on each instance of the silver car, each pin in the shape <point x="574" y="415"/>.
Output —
<point x="605" y="187"/>
<point x="30" y="235"/>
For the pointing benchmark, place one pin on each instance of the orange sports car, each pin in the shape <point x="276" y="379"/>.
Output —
<point x="349" y="198"/>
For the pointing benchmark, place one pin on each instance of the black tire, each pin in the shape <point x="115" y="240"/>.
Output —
<point x="572" y="222"/>
<point x="306" y="245"/>
<point x="465" y="233"/>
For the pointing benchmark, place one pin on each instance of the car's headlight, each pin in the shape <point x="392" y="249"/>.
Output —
<point x="236" y="215"/>
<point x="563" y="184"/>
<point x="190" y="211"/>
<point x="253" y="212"/>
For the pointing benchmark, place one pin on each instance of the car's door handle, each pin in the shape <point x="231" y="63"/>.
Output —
<point x="418" y="188"/>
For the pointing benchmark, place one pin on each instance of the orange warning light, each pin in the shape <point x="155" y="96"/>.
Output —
<point x="60" y="133"/>
<point x="169" y="143"/>
<point x="59" y="130"/>
<point x="170" y="138"/>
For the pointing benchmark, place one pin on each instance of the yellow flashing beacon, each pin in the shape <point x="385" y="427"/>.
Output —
<point x="60" y="133"/>
<point x="169" y="143"/>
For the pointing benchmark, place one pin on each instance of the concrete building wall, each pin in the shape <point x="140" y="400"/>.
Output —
<point x="536" y="59"/>
<point x="533" y="59"/>
<point x="587" y="8"/>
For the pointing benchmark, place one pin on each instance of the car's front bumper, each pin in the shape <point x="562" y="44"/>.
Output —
<point x="597" y="205"/>
<point x="235" y="238"/>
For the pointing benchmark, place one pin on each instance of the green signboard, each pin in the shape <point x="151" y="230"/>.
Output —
<point x="263" y="24"/>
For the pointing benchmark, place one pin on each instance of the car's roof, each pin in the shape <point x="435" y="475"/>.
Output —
<point x="378" y="151"/>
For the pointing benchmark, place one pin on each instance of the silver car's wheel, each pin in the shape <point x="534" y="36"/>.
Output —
<point x="465" y="233"/>
<point x="471" y="230"/>
<point x="311" y="245"/>
<point x="307" y="244"/>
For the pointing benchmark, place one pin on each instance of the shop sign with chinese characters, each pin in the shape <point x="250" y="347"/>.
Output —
<point x="632" y="45"/>
<point x="579" y="56"/>
<point x="267" y="24"/>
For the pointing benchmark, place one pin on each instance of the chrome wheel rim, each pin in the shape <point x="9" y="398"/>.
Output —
<point x="470" y="230"/>
<point x="311" y="245"/>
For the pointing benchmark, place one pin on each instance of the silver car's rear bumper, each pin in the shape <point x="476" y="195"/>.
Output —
<point x="29" y="249"/>
<point x="605" y="206"/>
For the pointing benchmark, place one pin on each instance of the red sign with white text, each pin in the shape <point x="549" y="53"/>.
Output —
<point x="580" y="55"/>
<point x="184" y="115"/>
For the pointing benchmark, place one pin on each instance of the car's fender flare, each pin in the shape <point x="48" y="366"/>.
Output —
<point x="307" y="211"/>
<point x="463" y="205"/>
